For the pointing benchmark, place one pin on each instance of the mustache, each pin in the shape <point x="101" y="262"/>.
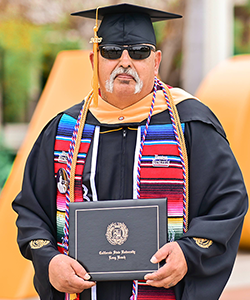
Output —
<point x="120" y="71"/>
<point x="128" y="71"/>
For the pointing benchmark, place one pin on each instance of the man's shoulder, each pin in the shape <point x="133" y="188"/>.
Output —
<point x="180" y="95"/>
<point x="74" y="110"/>
<point x="192" y="109"/>
<point x="51" y="126"/>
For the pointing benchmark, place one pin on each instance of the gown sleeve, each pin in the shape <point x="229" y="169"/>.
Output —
<point x="217" y="205"/>
<point x="36" y="208"/>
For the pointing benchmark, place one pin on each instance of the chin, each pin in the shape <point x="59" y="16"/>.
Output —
<point x="126" y="86"/>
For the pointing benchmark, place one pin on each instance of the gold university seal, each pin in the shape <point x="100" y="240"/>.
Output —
<point x="117" y="233"/>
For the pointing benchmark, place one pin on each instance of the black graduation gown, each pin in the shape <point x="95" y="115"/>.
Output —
<point x="218" y="200"/>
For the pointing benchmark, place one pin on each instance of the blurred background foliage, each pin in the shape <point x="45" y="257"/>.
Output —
<point x="27" y="54"/>
<point x="6" y="159"/>
<point x="32" y="32"/>
<point x="242" y="29"/>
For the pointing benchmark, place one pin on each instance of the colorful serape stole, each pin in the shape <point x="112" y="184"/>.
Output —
<point x="62" y="143"/>
<point x="161" y="175"/>
<point x="146" y="292"/>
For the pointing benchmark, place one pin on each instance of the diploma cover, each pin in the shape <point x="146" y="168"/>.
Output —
<point x="115" y="240"/>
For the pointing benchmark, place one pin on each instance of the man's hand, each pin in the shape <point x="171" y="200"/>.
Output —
<point x="67" y="275"/>
<point x="174" y="269"/>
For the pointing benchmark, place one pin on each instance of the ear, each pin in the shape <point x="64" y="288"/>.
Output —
<point x="91" y="57"/>
<point x="157" y="61"/>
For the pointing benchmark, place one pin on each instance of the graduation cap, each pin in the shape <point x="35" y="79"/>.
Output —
<point x="126" y="24"/>
<point x="122" y="24"/>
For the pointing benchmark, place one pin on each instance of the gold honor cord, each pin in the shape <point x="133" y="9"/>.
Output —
<point x="182" y="144"/>
<point x="72" y="296"/>
<point x="95" y="71"/>
<point x="75" y="154"/>
<point x="77" y="146"/>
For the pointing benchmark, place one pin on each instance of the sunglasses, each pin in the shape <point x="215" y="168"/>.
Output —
<point x="135" y="52"/>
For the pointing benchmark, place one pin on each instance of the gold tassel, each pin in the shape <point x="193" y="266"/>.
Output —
<point x="96" y="40"/>
<point x="95" y="74"/>
<point x="73" y="296"/>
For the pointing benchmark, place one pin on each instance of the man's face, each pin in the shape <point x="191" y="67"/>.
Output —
<point x="125" y="81"/>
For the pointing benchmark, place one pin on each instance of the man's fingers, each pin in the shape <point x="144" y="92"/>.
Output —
<point x="174" y="269"/>
<point x="161" y="254"/>
<point x="163" y="272"/>
<point x="67" y="275"/>
<point x="80" y="279"/>
<point x="79" y="270"/>
<point x="77" y="284"/>
<point x="162" y="283"/>
<point x="164" y="277"/>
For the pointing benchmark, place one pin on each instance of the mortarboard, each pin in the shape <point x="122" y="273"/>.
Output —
<point x="127" y="24"/>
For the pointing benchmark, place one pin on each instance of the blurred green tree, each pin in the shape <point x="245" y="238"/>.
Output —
<point x="29" y="53"/>
<point x="6" y="159"/>
<point x="242" y="29"/>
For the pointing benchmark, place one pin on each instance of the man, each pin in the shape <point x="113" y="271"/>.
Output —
<point x="128" y="131"/>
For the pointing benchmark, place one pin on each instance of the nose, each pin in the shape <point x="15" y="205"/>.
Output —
<point x="125" y="60"/>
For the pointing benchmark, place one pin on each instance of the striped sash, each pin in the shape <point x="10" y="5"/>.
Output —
<point x="146" y="292"/>
<point x="62" y="143"/>
<point x="161" y="174"/>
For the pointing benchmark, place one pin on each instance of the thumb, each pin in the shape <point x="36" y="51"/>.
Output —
<point x="79" y="270"/>
<point x="161" y="254"/>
